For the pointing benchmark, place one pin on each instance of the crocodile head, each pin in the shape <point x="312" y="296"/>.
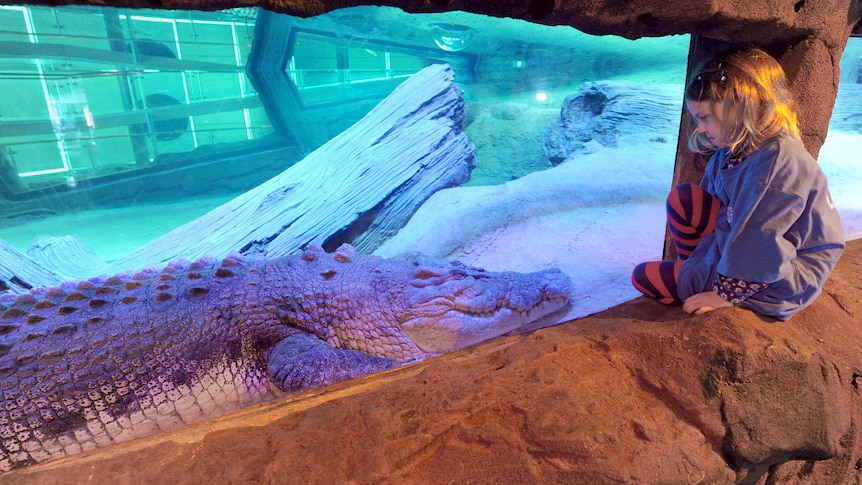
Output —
<point x="447" y="305"/>
<point x="406" y="309"/>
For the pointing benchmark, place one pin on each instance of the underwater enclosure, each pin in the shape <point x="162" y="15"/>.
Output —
<point x="121" y="125"/>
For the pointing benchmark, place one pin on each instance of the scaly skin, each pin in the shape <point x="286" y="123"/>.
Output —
<point x="105" y="360"/>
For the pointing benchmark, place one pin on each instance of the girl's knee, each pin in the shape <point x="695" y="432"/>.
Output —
<point x="657" y="280"/>
<point x="639" y="275"/>
<point x="687" y="187"/>
<point x="685" y="193"/>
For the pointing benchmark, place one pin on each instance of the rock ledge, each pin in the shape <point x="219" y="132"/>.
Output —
<point x="637" y="394"/>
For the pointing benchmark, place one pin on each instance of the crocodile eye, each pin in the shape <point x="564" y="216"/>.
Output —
<point x="458" y="274"/>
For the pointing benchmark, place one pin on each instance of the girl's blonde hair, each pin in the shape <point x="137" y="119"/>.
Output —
<point x="757" y="101"/>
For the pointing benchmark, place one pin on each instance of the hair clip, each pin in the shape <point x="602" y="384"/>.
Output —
<point x="714" y="75"/>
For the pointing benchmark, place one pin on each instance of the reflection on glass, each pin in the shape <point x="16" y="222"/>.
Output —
<point x="160" y="116"/>
<point x="452" y="37"/>
<point x="92" y="92"/>
<point x="328" y="69"/>
<point x="839" y="156"/>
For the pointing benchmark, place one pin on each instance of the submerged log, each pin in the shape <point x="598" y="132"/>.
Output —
<point x="360" y="187"/>
<point x="19" y="273"/>
<point x="68" y="256"/>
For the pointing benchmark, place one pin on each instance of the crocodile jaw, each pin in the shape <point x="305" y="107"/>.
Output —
<point x="454" y="330"/>
<point x="480" y="308"/>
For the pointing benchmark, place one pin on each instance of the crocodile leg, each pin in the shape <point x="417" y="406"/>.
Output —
<point x="302" y="361"/>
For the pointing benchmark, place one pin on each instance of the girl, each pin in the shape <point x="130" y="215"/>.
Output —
<point x="760" y="230"/>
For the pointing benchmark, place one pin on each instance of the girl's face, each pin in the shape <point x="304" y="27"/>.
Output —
<point x="708" y="120"/>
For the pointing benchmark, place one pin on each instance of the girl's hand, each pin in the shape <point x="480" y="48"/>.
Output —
<point x="701" y="303"/>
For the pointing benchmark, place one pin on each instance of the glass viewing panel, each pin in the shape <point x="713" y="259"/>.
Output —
<point x="90" y="92"/>
<point x="839" y="156"/>
<point x="327" y="69"/>
<point x="119" y="125"/>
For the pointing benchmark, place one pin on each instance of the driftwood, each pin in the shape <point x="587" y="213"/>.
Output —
<point x="19" y="273"/>
<point x="360" y="187"/>
<point x="67" y="256"/>
<point x="370" y="178"/>
<point x="49" y="261"/>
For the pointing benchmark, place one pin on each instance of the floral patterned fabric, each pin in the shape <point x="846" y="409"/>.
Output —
<point x="734" y="290"/>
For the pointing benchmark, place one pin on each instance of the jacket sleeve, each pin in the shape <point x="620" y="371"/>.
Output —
<point x="757" y="248"/>
<point x="706" y="182"/>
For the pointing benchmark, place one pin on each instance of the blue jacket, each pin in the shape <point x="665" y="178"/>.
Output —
<point x="777" y="225"/>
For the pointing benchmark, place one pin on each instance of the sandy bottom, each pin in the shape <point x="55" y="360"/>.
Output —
<point x="112" y="233"/>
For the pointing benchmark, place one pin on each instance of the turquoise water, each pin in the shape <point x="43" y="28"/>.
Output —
<point x="115" y="94"/>
<point x="121" y="125"/>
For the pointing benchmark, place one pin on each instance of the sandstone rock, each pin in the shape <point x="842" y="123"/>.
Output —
<point x="641" y="393"/>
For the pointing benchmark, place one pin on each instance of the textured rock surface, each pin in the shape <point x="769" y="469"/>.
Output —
<point x="607" y="111"/>
<point x="638" y="394"/>
<point x="510" y="130"/>
<point x="775" y="20"/>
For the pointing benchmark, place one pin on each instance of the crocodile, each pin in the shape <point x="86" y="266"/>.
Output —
<point x="100" y="361"/>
